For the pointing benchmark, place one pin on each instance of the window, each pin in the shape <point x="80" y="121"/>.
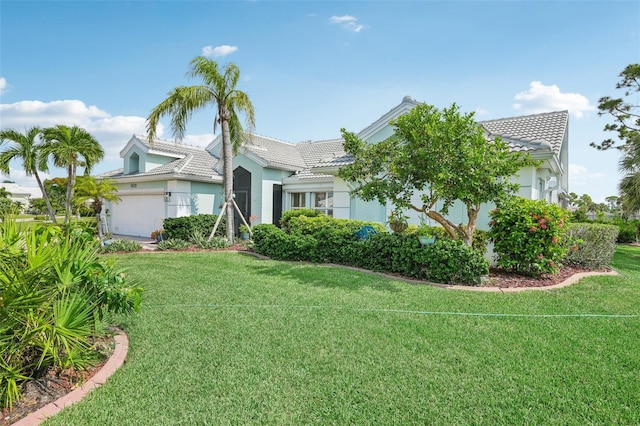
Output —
<point x="323" y="201"/>
<point x="297" y="200"/>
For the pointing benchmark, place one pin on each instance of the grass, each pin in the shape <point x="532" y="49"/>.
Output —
<point x="223" y="338"/>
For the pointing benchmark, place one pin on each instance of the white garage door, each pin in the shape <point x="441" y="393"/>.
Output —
<point x="138" y="215"/>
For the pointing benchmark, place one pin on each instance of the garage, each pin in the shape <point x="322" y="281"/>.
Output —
<point x="137" y="215"/>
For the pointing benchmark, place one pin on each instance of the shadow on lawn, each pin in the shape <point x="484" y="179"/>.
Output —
<point x="333" y="276"/>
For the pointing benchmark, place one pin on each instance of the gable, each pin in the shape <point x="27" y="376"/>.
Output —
<point x="380" y="129"/>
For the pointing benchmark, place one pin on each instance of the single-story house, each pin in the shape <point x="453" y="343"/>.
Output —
<point x="168" y="179"/>
<point x="21" y="194"/>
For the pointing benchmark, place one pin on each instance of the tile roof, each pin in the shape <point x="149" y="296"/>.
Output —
<point x="531" y="132"/>
<point x="276" y="153"/>
<point x="189" y="160"/>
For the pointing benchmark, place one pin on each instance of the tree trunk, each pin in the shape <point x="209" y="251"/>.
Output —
<point x="227" y="176"/>
<point x="52" y="214"/>
<point x="455" y="231"/>
<point x="67" y="200"/>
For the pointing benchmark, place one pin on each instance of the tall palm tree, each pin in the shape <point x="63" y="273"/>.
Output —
<point x="629" y="165"/>
<point x="219" y="90"/>
<point x="34" y="159"/>
<point x="91" y="189"/>
<point x="71" y="147"/>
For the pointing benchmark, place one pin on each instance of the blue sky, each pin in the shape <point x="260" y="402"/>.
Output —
<point x="311" y="67"/>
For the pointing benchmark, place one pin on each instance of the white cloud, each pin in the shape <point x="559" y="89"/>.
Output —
<point x="218" y="51"/>
<point x="480" y="112"/>
<point x="347" y="22"/>
<point x="3" y="85"/>
<point x="540" y="98"/>
<point x="112" y="132"/>
<point x="199" y="140"/>
<point x="581" y="176"/>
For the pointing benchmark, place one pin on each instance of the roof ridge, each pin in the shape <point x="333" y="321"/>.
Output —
<point x="525" y="116"/>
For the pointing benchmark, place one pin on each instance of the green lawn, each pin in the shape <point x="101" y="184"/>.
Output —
<point x="224" y="338"/>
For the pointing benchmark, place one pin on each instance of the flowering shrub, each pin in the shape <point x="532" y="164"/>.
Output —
<point x="528" y="236"/>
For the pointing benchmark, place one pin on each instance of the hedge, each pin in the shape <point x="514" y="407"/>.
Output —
<point x="325" y="239"/>
<point x="184" y="227"/>
<point x="592" y="244"/>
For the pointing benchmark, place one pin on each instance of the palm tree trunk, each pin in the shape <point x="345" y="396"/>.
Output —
<point x="227" y="176"/>
<point x="52" y="214"/>
<point x="67" y="201"/>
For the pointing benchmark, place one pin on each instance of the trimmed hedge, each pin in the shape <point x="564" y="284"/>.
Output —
<point x="593" y="244"/>
<point x="184" y="227"/>
<point x="324" y="239"/>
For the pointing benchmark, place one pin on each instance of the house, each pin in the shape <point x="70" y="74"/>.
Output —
<point x="168" y="179"/>
<point x="21" y="194"/>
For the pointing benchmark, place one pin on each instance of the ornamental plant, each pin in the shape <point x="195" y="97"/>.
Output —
<point x="528" y="236"/>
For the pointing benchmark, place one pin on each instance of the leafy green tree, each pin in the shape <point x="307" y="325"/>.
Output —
<point x="219" y="90"/>
<point x="27" y="147"/>
<point x="56" y="189"/>
<point x="38" y="205"/>
<point x="443" y="155"/>
<point x="91" y="189"/>
<point x="71" y="147"/>
<point x="625" y="112"/>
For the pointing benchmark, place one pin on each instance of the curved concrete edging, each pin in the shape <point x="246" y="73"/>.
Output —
<point x="571" y="280"/>
<point x="114" y="362"/>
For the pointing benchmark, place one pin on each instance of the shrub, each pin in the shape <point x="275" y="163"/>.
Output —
<point x="628" y="231"/>
<point x="112" y="246"/>
<point x="480" y="237"/>
<point x="452" y="262"/>
<point x="528" y="236"/>
<point x="273" y="242"/>
<point x="184" y="227"/>
<point x="333" y="240"/>
<point x="592" y="244"/>
<point x="214" y="243"/>
<point x="55" y="283"/>
<point x="173" y="244"/>
<point x="289" y="214"/>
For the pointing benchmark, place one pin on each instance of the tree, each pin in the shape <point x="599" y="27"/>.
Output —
<point x="89" y="188"/>
<point x="219" y="90"/>
<point x="71" y="147"/>
<point x="34" y="158"/>
<point x="626" y="114"/>
<point x="56" y="190"/>
<point x="444" y="155"/>
<point x="630" y="184"/>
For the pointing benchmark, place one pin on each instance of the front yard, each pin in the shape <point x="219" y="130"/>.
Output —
<point x="224" y="338"/>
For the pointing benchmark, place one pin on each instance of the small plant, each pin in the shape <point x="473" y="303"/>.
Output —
<point x="158" y="235"/>
<point x="214" y="243"/>
<point x="173" y="244"/>
<point x="398" y="221"/>
<point x="119" y="246"/>
<point x="244" y="229"/>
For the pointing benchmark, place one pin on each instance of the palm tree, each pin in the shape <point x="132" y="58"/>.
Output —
<point x="219" y="89"/>
<point x="71" y="147"/>
<point x="630" y="184"/>
<point x="91" y="189"/>
<point x="33" y="156"/>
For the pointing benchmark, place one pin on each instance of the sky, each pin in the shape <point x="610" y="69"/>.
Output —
<point x="311" y="68"/>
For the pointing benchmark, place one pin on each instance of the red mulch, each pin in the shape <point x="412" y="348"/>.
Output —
<point x="52" y="386"/>
<point x="502" y="279"/>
